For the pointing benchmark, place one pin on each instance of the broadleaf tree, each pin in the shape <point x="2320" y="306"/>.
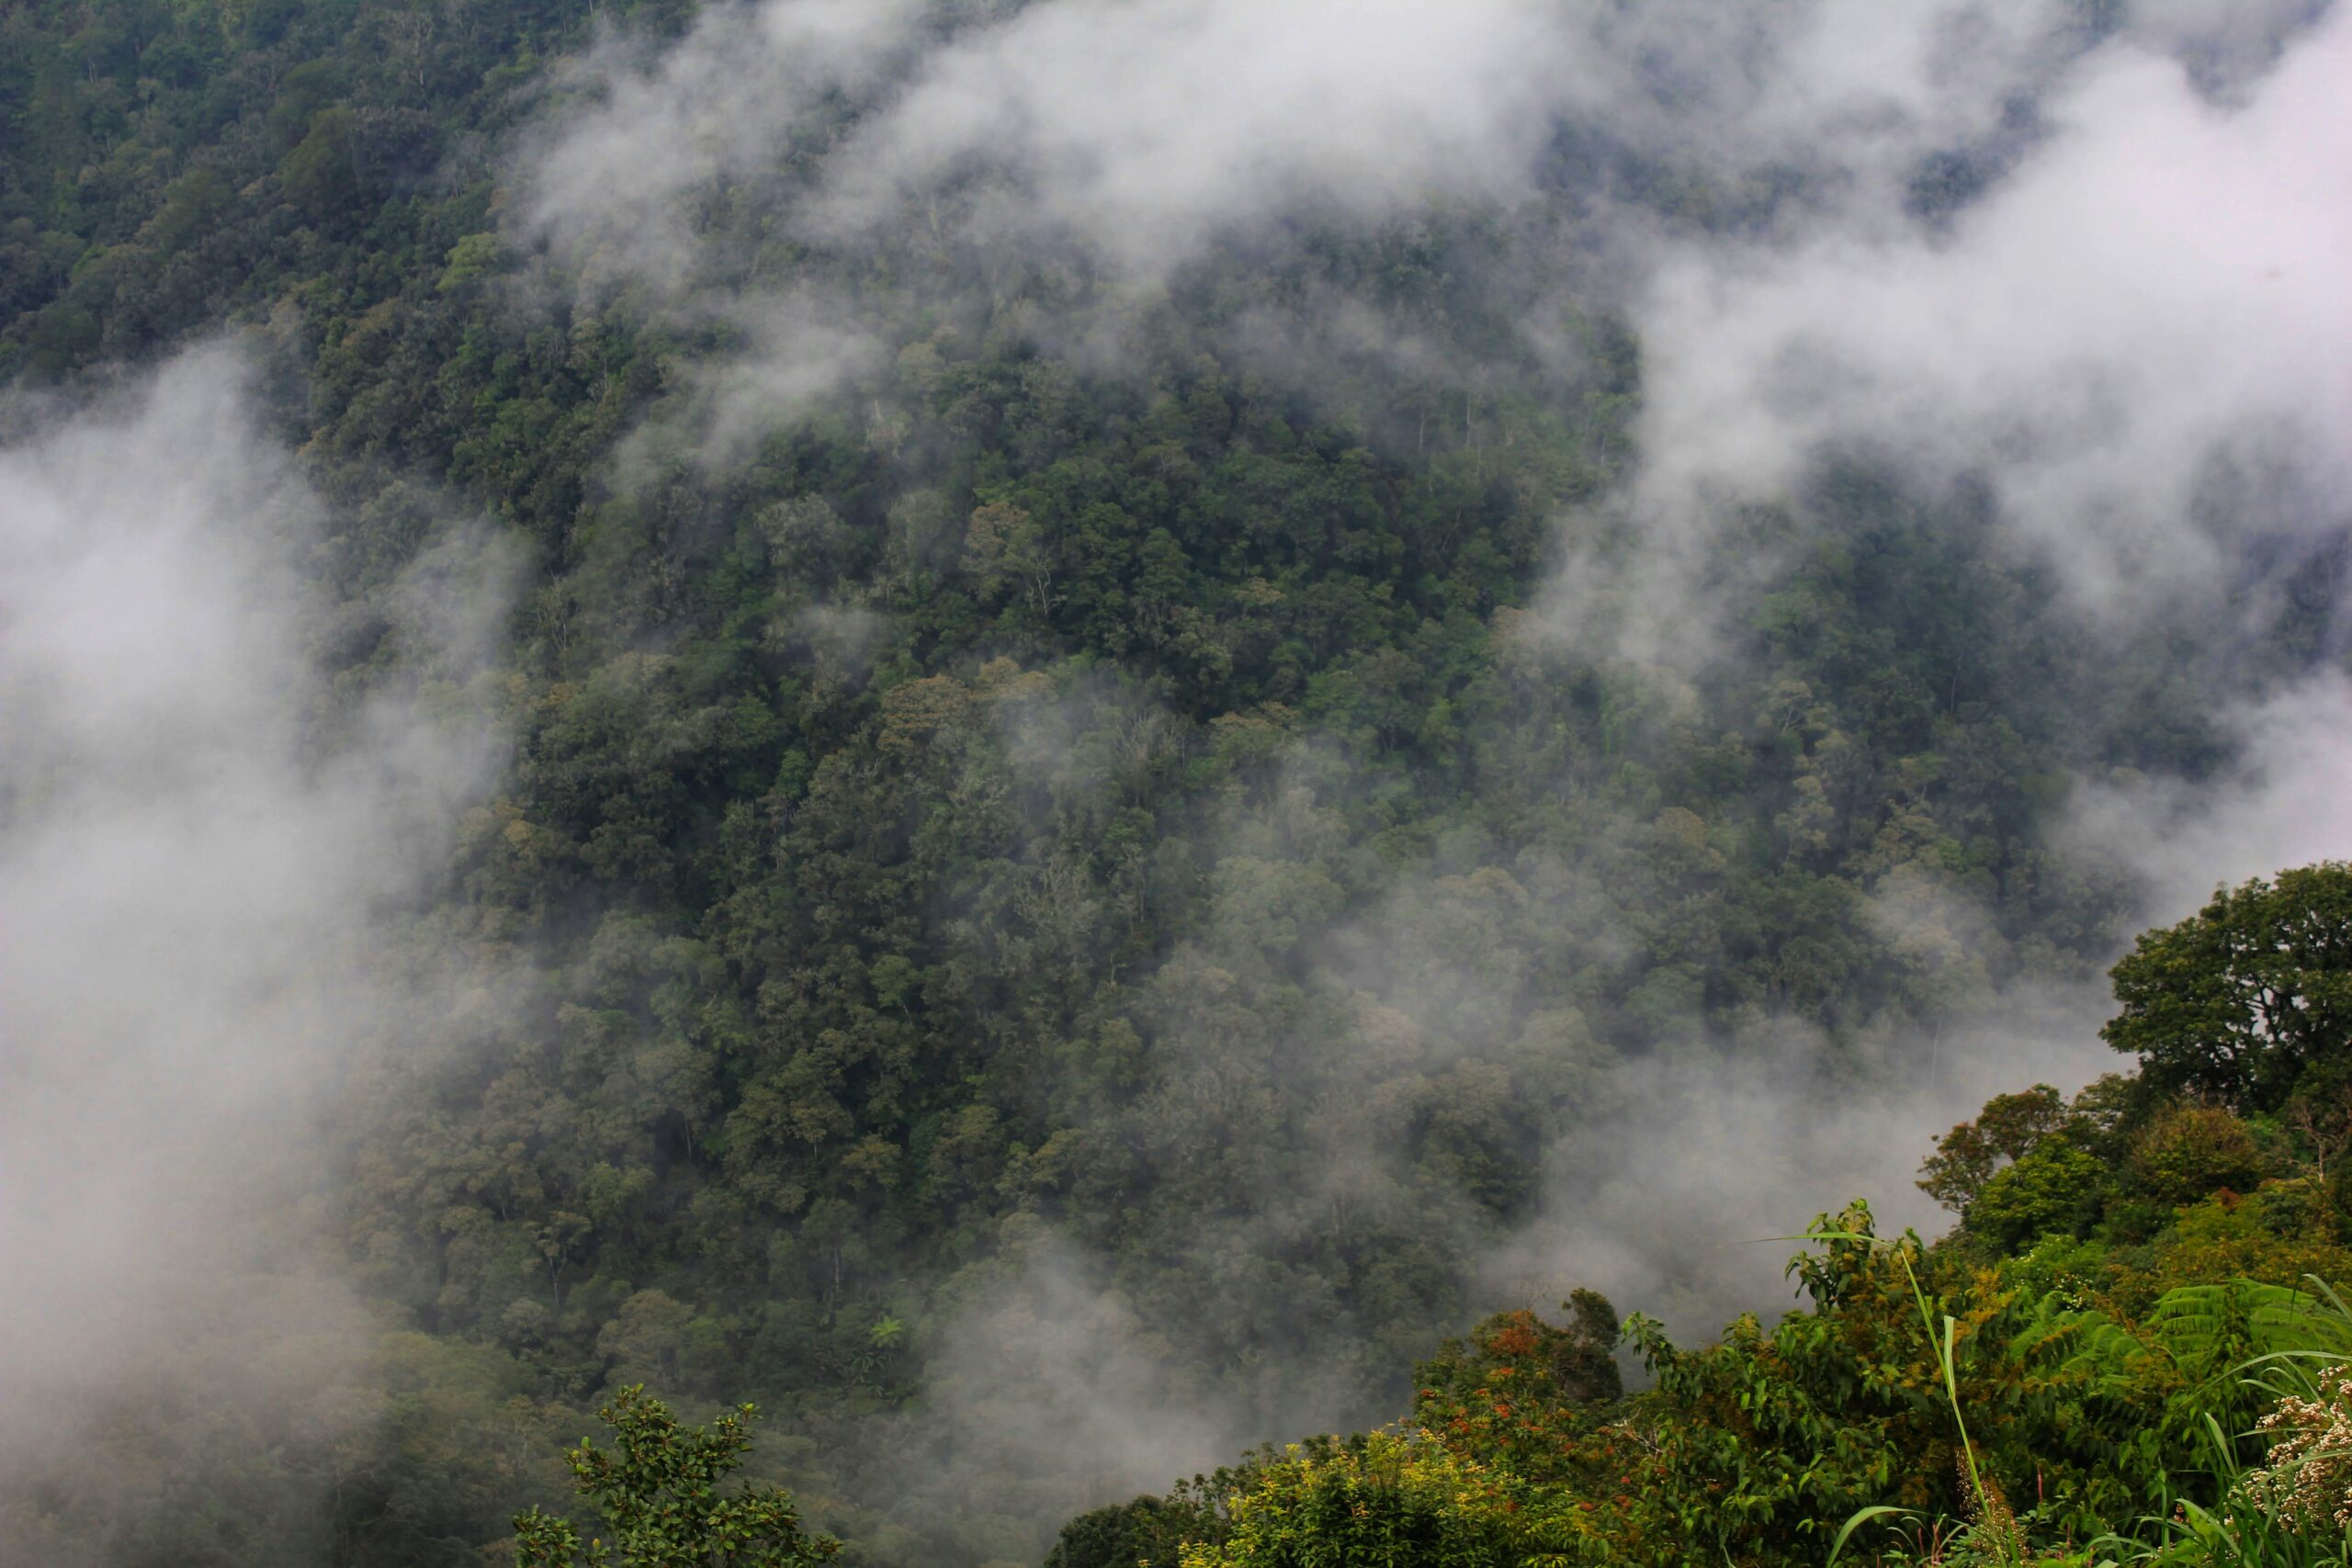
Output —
<point x="658" y="1488"/>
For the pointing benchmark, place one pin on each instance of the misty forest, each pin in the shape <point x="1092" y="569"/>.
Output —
<point x="1207" y="784"/>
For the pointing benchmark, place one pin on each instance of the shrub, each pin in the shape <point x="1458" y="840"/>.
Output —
<point x="2189" y="1151"/>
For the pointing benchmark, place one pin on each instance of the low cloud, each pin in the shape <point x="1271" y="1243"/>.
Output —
<point x="2285" y="803"/>
<point x="2134" y="342"/>
<point x="1142" y="130"/>
<point x="1679" y="1202"/>
<point x="197" y="848"/>
<point x="633" y="132"/>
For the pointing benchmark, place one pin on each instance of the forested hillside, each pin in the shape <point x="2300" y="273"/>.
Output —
<point x="1044" y="731"/>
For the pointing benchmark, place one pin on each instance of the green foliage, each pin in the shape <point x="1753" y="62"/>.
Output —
<point x="658" y="1489"/>
<point x="1389" y="1500"/>
<point x="2187" y="1151"/>
<point x="1966" y="1158"/>
<point x="2049" y="1189"/>
<point x="2115" y="1161"/>
<point x="2240" y="999"/>
<point x="1149" y="1532"/>
<point x="1522" y="1392"/>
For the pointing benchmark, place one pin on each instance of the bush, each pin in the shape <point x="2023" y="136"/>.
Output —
<point x="2056" y="1187"/>
<point x="2190" y="1151"/>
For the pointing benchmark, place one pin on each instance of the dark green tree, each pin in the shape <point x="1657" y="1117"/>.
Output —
<point x="2238" y="999"/>
<point x="1966" y="1158"/>
<point x="659" y="1490"/>
<point x="1147" y="1531"/>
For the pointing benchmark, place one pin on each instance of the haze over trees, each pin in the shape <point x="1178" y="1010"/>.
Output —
<point x="1048" y="733"/>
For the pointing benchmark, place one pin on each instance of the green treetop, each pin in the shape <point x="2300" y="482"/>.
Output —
<point x="2237" y="1000"/>
<point x="659" y="1490"/>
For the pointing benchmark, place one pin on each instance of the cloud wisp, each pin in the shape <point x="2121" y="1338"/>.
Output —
<point x="196" y="849"/>
<point x="2149" y="296"/>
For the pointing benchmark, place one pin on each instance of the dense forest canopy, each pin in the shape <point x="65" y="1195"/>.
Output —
<point x="1045" y="731"/>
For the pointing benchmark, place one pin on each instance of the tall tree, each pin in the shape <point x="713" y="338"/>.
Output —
<point x="2239" y="999"/>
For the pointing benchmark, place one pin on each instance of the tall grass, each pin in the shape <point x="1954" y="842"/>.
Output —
<point x="2179" y="1532"/>
<point x="1992" y="1535"/>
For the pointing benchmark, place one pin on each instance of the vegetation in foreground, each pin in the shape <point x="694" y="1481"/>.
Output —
<point x="2130" y="1349"/>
